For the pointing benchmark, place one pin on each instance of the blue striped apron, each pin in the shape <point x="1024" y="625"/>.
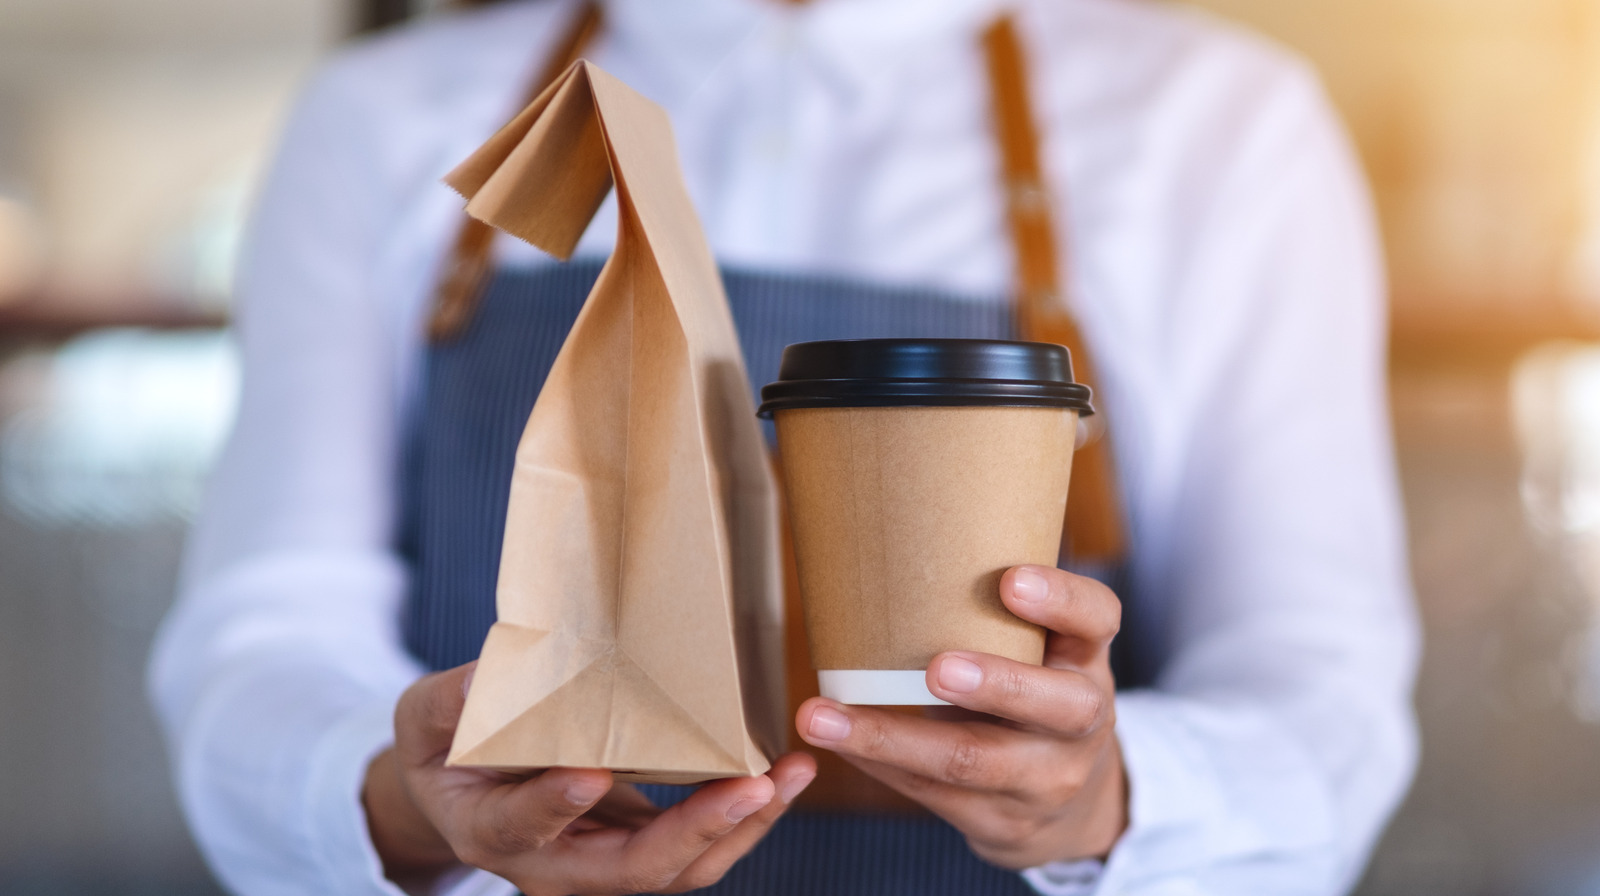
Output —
<point x="475" y="397"/>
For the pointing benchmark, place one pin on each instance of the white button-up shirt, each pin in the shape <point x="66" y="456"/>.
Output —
<point x="1223" y="268"/>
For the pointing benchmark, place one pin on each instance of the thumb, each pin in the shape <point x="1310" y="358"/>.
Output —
<point x="426" y="717"/>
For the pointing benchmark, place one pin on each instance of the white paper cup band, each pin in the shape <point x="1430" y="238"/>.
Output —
<point x="877" y="687"/>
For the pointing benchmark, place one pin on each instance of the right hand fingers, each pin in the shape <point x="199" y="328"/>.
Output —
<point x="654" y="857"/>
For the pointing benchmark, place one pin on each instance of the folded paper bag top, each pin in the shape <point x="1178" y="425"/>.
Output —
<point x="639" y="601"/>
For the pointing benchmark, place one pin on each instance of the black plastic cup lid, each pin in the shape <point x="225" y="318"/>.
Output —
<point x="854" y="373"/>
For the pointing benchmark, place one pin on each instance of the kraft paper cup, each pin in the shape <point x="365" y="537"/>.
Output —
<point x="917" y="472"/>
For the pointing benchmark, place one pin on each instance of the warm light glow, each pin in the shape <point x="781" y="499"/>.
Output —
<point x="1478" y="124"/>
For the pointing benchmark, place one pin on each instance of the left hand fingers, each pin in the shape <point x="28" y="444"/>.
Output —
<point x="790" y="775"/>
<point x="969" y="755"/>
<point x="623" y="807"/>
<point x="1064" y="703"/>
<point x="651" y="859"/>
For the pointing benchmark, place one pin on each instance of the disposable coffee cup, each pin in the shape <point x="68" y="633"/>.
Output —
<point x="917" y="472"/>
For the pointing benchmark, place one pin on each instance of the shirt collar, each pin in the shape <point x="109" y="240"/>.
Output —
<point x="683" y="42"/>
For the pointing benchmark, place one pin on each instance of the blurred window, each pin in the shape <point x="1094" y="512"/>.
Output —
<point x="132" y="137"/>
<point x="117" y="427"/>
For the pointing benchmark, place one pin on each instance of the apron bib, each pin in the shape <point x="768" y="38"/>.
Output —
<point x="477" y="392"/>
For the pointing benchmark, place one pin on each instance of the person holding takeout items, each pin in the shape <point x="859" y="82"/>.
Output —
<point x="1170" y="199"/>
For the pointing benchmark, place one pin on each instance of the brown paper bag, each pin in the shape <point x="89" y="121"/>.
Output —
<point x="640" y="617"/>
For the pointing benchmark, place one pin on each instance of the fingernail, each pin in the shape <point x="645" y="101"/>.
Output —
<point x="1029" y="587"/>
<point x="745" y="808"/>
<point x="582" y="793"/>
<point x="795" y="785"/>
<point x="466" y="681"/>
<point x="959" y="675"/>
<point x="828" y="724"/>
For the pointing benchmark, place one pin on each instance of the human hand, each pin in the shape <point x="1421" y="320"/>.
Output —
<point x="560" y="831"/>
<point x="1038" y="777"/>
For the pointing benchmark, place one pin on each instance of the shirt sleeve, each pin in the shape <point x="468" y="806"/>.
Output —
<point x="276" y="674"/>
<point x="1279" y="735"/>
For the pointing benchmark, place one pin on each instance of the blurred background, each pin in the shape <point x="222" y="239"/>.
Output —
<point x="131" y="136"/>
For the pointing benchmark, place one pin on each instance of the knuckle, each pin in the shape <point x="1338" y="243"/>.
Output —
<point x="410" y="711"/>
<point x="1085" y="710"/>
<point x="515" y="839"/>
<point x="426" y="706"/>
<point x="914" y="783"/>
<point x="1109" y="607"/>
<point x="475" y="854"/>
<point x="1095" y="604"/>
<point x="509" y="833"/>
<point x="1090" y="706"/>
<point x="1070" y="780"/>
<point x="1113" y="612"/>
<point x="1061" y="788"/>
<point x="697" y="878"/>
<point x="406" y="706"/>
<point x="1070" y="590"/>
<point x="1113" y="624"/>
<point x="964" y="765"/>
<point x="430" y="696"/>
<point x="1064" y="585"/>
<point x="706" y="836"/>
<point x="982" y="851"/>
<point x="1016" y="685"/>
<point x="648" y="879"/>
<point x="875" y="740"/>
<point x="1013" y="830"/>
<point x="995" y="852"/>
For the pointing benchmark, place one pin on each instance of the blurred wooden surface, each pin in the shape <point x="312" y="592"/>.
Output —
<point x="50" y="315"/>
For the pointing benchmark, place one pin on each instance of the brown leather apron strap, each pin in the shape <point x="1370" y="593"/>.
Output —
<point x="471" y="258"/>
<point x="1094" y="530"/>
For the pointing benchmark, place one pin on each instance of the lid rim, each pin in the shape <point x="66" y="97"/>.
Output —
<point x="769" y="408"/>
<point x="925" y="373"/>
<point x="971" y="393"/>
